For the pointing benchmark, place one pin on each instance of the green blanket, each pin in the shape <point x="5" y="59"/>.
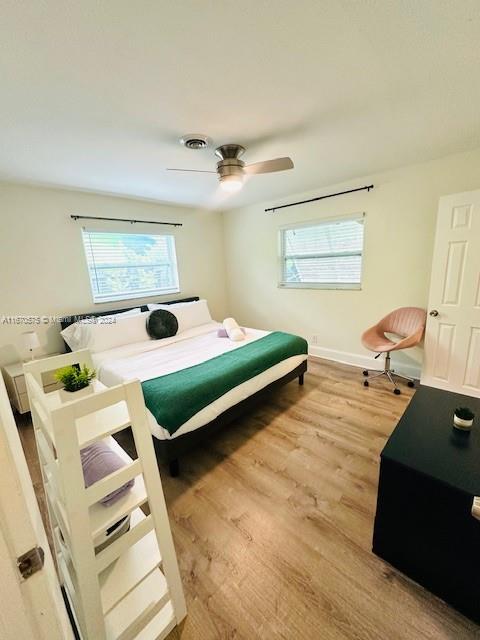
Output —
<point x="176" y="397"/>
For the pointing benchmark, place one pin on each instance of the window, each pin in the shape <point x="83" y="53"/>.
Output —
<point x="130" y="265"/>
<point x="324" y="255"/>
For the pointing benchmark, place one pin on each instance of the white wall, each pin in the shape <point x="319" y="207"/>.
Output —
<point x="399" y="232"/>
<point x="43" y="269"/>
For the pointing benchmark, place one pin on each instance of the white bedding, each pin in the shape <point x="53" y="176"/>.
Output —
<point x="153" y="358"/>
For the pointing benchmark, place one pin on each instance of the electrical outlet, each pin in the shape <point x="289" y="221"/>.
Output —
<point x="315" y="339"/>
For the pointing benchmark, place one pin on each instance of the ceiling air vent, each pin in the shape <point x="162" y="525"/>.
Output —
<point x="195" y="141"/>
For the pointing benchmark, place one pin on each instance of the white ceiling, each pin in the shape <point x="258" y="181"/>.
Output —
<point x="95" y="94"/>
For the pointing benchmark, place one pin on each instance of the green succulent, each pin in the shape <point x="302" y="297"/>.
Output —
<point x="75" y="378"/>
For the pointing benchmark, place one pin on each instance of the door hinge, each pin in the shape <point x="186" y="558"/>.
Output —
<point x="31" y="562"/>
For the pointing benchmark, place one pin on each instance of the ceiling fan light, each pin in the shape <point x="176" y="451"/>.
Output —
<point x="231" y="183"/>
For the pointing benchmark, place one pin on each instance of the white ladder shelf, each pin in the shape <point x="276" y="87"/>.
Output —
<point x="130" y="588"/>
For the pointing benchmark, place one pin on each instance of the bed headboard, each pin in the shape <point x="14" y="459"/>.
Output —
<point x="68" y="320"/>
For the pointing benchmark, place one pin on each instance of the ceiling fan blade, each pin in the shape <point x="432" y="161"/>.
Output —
<point x="192" y="170"/>
<point x="269" y="166"/>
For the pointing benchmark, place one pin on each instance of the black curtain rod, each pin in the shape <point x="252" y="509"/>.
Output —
<point x="169" y="224"/>
<point x="330" y="195"/>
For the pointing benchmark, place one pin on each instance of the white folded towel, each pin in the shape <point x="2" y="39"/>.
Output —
<point x="233" y="330"/>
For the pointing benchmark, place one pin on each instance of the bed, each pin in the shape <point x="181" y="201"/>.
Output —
<point x="195" y="382"/>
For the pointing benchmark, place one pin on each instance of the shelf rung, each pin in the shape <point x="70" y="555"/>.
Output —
<point x="92" y="429"/>
<point x="138" y="608"/>
<point x="45" y="448"/>
<point x="49" y="466"/>
<point x="56" y="508"/>
<point x="132" y="587"/>
<point x="121" y="544"/>
<point x="150" y="612"/>
<point x="113" y="481"/>
<point x="103" y="398"/>
<point x="102" y="517"/>
<point x="130" y="569"/>
<point x="160" y="626"/>
<point x="61" y="546"/>
<point x="44" y="424"/>
<point x="51" y="474"/>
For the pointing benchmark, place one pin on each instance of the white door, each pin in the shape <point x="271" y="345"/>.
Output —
<point x="452" y="339"/>
<point x="32" y="607"/>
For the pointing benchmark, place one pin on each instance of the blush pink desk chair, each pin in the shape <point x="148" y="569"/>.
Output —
<point x="409" y="324"/>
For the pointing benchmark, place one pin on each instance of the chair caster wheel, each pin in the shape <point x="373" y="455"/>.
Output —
<point x="365" y="384"/>
<point x="396" y="392"/>
<point x="365" y="372"/>
<point x="410" y="384"/>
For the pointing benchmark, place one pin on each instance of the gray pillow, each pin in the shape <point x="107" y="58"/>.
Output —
<point x="161" y="324"/>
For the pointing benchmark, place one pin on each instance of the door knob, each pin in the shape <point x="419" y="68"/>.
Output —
<point x="433" y="313"/>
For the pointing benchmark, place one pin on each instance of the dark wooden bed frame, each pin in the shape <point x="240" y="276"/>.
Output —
<point x="170" y="450"/>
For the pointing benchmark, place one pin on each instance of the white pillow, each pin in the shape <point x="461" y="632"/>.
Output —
<point x="188" y="314"/>
<point x="73" y="333"/>
<point x="121" y="314"/>
<point x="106" y="332"/>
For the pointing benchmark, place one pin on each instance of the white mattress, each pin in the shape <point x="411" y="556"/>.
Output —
<point x="153" y="358"/>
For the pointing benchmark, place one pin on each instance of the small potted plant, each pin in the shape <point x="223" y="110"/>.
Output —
<point x="463" y="418"/>
<point x="76" y="382"/>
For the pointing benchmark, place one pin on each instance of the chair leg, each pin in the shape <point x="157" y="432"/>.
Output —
<point x="367" y="372"/>
<point x="300" y="379"/>
<point x="396" y="390"/>
<point x="386" y="371"/>
<point x="389" y="373"/>
<point x="378" y="374"/>
<point x="400" y="375"/>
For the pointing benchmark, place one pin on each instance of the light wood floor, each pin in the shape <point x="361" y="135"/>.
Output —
<point x="273" y="520"/>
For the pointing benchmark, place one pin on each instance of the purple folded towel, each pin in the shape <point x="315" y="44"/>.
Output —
<point x="98" y="461"/>
<point x="221" y="333"/>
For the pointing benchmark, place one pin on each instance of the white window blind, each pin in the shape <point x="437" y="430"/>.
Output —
<point x="324" y="255"/>
<point x="130" y="265"/>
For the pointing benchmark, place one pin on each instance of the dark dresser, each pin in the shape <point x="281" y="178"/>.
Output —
<point x="429" y="475"/>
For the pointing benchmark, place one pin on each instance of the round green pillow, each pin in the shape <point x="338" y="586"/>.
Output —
<point x="161" y="324"/>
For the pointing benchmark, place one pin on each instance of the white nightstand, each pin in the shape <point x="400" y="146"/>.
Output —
<point x="16" y="388"/>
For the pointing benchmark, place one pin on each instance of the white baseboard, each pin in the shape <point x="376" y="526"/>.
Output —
<point x="359" y="360"/>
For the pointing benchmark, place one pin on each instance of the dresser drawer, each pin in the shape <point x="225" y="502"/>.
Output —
<point x="20" y="402"/>
<point x="20" y="385"/>
<point x="17" y="388"/>
<point x="24" y="404"/>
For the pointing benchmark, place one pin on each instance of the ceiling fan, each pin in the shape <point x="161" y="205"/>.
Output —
<point x="231" y="170"/>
